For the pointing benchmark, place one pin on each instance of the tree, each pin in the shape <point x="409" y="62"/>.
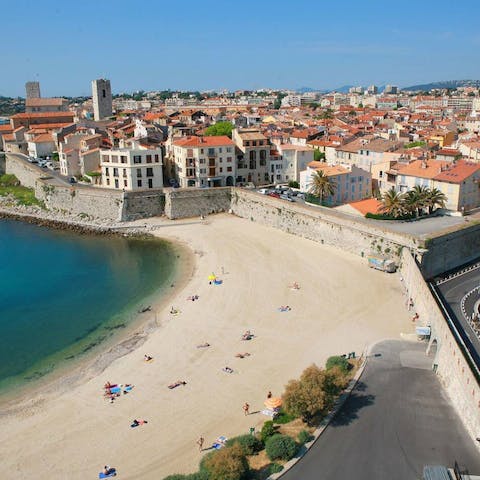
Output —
<point x="219" y="128"/>
<point x="327" y="114"/>
<point x="313" y="394"/>
<point x="280" y="447"/>
<point x="318" y="156"/>
<point x="293" y="184"/>
<point x="435" y="198"/>
<point x="229" y="463"/>
<point x="392" y="203"/>
<point x="322" y="186"/>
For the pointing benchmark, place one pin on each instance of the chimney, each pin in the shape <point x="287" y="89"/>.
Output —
<point x="424" y="164"/>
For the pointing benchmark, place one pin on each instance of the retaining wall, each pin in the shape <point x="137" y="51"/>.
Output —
<point x="193" y="202"/>
<point x="27" y="173"/>
<point x="143" y="204"/>
<point x="452" y="368"/>
<point x="320" y="224"/>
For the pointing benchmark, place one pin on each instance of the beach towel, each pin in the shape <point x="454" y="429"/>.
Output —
<point x="112" y="473"/>
<point x="218" y="282"/>
<point x="115" y="389"/>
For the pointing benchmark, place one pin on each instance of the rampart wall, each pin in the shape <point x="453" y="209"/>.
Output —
<point x="449" y="361"/>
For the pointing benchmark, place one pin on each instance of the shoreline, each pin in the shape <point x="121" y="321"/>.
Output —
<point x="69" y="373"/>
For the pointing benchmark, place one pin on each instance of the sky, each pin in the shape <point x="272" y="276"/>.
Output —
<point x="214" y="45"/>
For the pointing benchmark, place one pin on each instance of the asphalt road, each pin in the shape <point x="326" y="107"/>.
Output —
<point x="453" y="292"/>
<point x="396" y="421"/>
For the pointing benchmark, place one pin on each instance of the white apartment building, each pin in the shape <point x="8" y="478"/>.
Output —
<point x="131" y="169"/>
<point x="295" y="159"/>
<point x="204" y="161"/>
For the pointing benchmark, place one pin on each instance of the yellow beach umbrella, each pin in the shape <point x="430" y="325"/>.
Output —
<point x="212" y="277"/>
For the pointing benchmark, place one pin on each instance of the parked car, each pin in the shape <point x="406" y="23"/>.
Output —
<point x="72" y="180"/>
<point x="32" y="160"/>
<point x="50" y="165"/>
<point x="42" y="163"/>
<point x="287" y="198"/>
<point x="273" y="194"/>
<point x="264" y="191"/>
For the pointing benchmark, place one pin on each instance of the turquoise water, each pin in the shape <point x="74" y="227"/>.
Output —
<point x="62" y="294"/>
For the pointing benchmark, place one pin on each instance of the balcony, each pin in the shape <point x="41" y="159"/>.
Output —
<point x="190" y="173"/>
<point x="212" y="172"/>
<point x="211" y="162"/>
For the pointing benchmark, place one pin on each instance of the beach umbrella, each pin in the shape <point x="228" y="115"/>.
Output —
<point x="273" y="403"/>
<point x="212" y="277"/>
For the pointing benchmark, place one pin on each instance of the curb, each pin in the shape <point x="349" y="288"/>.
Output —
<point x="326" y="421"/>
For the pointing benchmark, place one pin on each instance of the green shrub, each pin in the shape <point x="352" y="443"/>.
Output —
<point x="250" y="443"/>
<point x="191" y="476"/>
<point x="274" y="468"/>
<point x="228" y="463"/>
<point x="304" y="437"/>
<point x="336" y="361"/>
<point x="268" y="430"/>
<point x="280" y="447"/>
<point x="293" y="184"/>
<point x="9" y="180"/>
<point x="284" y="417"/>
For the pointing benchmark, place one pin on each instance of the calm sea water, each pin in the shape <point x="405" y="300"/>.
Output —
<point x="62" y="294"/>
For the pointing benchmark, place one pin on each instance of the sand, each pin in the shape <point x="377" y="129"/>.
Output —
<point x="342" y="306"/>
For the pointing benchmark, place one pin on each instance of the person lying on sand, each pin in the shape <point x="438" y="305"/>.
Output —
<point x="242" y="355"/>
<point x="136" y="423"/>
<point x="284" y="308"/>
<point x="177" y="384"/>
<point x="227" y="369"/>
<point x="147" y="358"/>
<point x="295" y="286"/>
<point x="174" y="311"/>
<point x="203" y="345"/>
<point x="247" y="335"/>
<point x="193" y="298"/>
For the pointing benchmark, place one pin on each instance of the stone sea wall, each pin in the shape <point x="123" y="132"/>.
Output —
<point x="320" y="224"/>
<point x="452" y="368"/>
<point x="193" y="202"/>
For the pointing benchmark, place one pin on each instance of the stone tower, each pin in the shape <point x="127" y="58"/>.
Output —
<point x="32" y="89"/>
<point x="102" y="98"/>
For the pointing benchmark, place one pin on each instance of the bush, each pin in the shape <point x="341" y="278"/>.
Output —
<point x="336" y="361"/>
<point x="313" y="395"/>
<point x="274" y="468"/>
<point x="191" y="476"/>
<point x="268" y="430"/>
<point x="280" y="447"/>
<point x="229" y="463"/>
<point x="250" y="443"/>
<point x="304" y="437"/>
<point x="283" y="417"/>
<point x="293" y="184"/>
<point x="9" y="180"/>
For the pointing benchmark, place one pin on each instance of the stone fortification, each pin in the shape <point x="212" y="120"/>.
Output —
<point x="27" y="173"/>
<point x="137" y="205"/>
<point x="320" y="224"/>
<point x="193" y="202"/>
<point x="448" y="357"/>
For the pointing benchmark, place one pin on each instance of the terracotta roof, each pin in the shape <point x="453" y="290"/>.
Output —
<point x="50" y="126"/>
<point x="44" y="102"/>
<point x="459" y="172"/>
<point x="6" y="128"/>
<point x="8" y="137"/>
<point x="423" y="168"/>
<point x="43" y="138"/>
<point x="328" y="170"/>
<point x="213" y="141"/>
<point x="44" y="115"/>
<point x="370" y="205"/>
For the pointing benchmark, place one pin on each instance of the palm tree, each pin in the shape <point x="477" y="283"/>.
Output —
<point x="322" y="186"/>
<point x="435" y="198"/>
<point x="420" y="194"/>
<point x="393" y="203"/>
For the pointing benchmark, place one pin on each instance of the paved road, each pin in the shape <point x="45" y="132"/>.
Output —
<point x="453" y="291"/>
<point x="396" y="421"/>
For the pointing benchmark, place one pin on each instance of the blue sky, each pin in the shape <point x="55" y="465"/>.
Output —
<point x="205" y="44"/>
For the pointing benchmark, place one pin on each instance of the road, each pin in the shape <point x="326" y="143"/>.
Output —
<point x="453" y="291"/>
<point x="396" y="421"/>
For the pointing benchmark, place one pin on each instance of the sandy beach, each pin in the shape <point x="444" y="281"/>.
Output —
<point x="341" y="306"/>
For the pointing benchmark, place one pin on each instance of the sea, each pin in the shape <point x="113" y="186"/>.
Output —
<point x="63" y="295"/>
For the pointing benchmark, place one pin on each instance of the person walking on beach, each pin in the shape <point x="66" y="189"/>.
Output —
<point x="246" y="409"/>
<point x="200" y="442"/>
<point x="269" y="395"/>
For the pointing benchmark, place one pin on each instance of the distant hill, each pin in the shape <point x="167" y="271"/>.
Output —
<point x="444" y="84"/>
<point x="343" y="89"/>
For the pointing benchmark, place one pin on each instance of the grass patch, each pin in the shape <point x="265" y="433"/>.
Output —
<point x="23" y="195"/>
<point x="283" y="417"/>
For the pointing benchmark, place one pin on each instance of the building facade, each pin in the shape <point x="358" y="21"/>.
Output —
<point x="32" y="90"/>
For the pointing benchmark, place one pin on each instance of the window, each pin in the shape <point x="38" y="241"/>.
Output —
<point x="139" y="183"/>
<point x="202" y="160"/>
<point x="203" y="171"/>
<point x="157" y="159"/>
<point x="220" y="150"/>
<point x="150" y="183"/>
<point x="116" y="183"/>
<point x="211" y="151"/>
<point x="221" y="160"/>
<point x="253" y="155"/>
<point x="221" y="170"/>
<point x="229" y="159"/>
<point x="149" y="173"/>
<point x="137" y="159"/>
<point x="139" y="173"/>
<point x="201" y="150"/>
<point x="107" y="171"/>
<point x="104" y="93"/>
<point x="124" y="173"/>
<point x="108" y="181"/>
<point x="123" y="158"/>
<point x="125" y="183"/>
<point x="149" y="159"/>
<point x="115" y="172"/>
<point x="229" y="149"/>
<point x="229" y="169"/>
<point x="106" y="158"/>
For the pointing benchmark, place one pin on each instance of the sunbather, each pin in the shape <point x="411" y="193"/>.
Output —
<point x="242" y="355"/>
<point x="203" y="345"/>
<point x="247" y="335"/>
<point x="227" y="369"/>
<point x="147" y="358"/>
<point x="176" y="384"/>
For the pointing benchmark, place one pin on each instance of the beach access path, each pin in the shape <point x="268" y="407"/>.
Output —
<point x="341" y="306"/>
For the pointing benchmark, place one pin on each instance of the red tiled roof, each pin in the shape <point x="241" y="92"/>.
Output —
<point x="213" y="141"/>
<point x="459" y="172"/>
<point x="44" y="102"/>
<point x="43" y="138"/>
<point x="44" y="115"/>
<point x="370" y="205"/>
